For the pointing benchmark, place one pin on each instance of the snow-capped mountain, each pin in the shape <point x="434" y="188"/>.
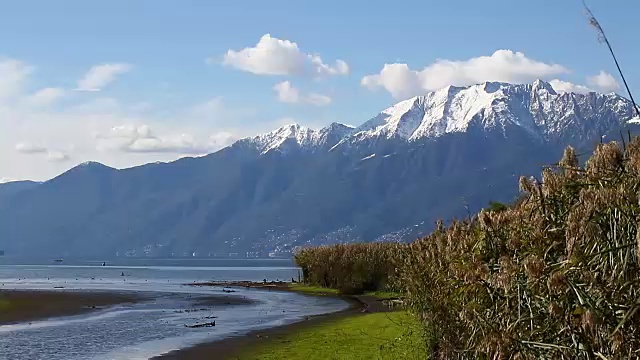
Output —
<point x="298" y="136"/>
<point x="492" y="106"/>
<point x="536" y="108"/>
<point x="436" y="156"/>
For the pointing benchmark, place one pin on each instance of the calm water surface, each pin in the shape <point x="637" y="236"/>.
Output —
<point x="153" y="327"/>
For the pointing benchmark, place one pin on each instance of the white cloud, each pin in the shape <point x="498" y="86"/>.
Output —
<point x="181" y="143"/>
<point x="215" y="112"/>
<point x="565" y="86"/>
<point x="127" y="132"/>
<point x="222" y="139"/>
<point x="502" y="65"/>
<point x="287" y="93"/>
<point x="100" y="76"/>
<point x="273" y="56"/>
<point x="211" y="107"/>
<point x="29" y="148"/>
<point x="12" y="76"/>
<point x="604" y="82"/>
<point x="318" y="99"/>
<point x="57" y="156"/>
<point x="34" y="149"/>
<point x="100" y="105"/>
<point x="52" y="134"/>
<point x="44" y="97"/>
<point x="141" y="139"/>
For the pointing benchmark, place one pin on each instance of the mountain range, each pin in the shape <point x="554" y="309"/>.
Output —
<point x="442" y="155"/>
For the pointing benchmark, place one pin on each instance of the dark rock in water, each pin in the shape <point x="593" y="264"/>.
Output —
<point x="208" y="324"/>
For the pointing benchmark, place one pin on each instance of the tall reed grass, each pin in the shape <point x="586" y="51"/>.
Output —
<point x="554" y="276"/>
<point x="352" y="268"/>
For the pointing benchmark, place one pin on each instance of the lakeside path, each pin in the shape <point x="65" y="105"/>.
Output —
<point x="235" y="347"/>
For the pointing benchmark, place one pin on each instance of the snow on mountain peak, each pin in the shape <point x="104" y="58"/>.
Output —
<point x="537" y="108"/>
<point x="298" y="135"/>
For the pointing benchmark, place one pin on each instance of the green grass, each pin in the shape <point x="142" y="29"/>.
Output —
<point x="384" y="294"/>
<point x="392" y="335"/>
<point x="315" y="290"/>
<point x="318" y="290"/>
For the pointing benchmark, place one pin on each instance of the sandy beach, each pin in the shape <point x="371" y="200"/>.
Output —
<point x="28" y="305"/>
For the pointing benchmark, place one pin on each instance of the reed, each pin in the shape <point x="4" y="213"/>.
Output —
<point x="352" y="268"/>
<point x="553" y="276"/>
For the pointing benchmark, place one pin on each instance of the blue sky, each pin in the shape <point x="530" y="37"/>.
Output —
<point x="166" y="88"/>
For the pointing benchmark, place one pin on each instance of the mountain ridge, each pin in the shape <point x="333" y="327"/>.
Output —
<point x="386" y="123"/>
<point x="441" y="155"/>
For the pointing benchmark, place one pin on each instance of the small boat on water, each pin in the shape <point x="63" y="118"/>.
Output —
<point x="58" y="260"/>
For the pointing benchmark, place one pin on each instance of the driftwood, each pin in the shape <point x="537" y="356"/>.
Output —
<point x="208" y="324"/>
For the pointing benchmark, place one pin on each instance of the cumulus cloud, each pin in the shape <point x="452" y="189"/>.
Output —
<point x="57" y="156"/>
<point x="34" y="149"/>
<point x="604" y="82"/>
<point x="141" y="139"/>
<point x="181" y="143"/>
<point x="287" y="93"/>
<point x="29" y="148"/>
<point x="100" y="76"/>
<point x="12" y="75"/>
<point x="565" y="86"/>
<point x="222" y="139"/>
<point x="52" y="136"/>
<point x="44" y="97"/>
<point x="273" y="56"/>
<point x="502" y="65"/>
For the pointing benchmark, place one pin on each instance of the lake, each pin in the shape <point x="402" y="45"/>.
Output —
<point x="156" y="326"/>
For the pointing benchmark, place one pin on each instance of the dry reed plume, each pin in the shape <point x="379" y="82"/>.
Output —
<point x="555" y="276"/>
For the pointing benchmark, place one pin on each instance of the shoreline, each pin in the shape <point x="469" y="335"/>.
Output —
<point x="234" y="345"/>
<point x="24" y="306"/>
<point x="19" y="306"/>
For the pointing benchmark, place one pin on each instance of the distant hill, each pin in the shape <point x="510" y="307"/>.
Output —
<point x="441" y="155"/>
<point x="14" y="187"/>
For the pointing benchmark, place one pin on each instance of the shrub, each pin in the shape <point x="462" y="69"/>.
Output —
<point x="352" y="268"/>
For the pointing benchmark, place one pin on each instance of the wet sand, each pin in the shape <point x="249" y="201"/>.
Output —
<point x="28" y="305"/>
<point x="231" y="347"/>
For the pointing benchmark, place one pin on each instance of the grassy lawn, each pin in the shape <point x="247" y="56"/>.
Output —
<point x="317" y="290"/>
<point x="384" y="294"/>
<point x="391" y="335"/>
<point x="384" y="335"/>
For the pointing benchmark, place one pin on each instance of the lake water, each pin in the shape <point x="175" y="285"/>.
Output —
<point x="154" y="327"/>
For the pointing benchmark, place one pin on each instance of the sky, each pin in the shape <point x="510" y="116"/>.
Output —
<point x="127" y="82"/>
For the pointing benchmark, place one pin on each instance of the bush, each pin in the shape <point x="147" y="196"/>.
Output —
<point x="353" y="268"/>
<point x="496" y="206"/>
